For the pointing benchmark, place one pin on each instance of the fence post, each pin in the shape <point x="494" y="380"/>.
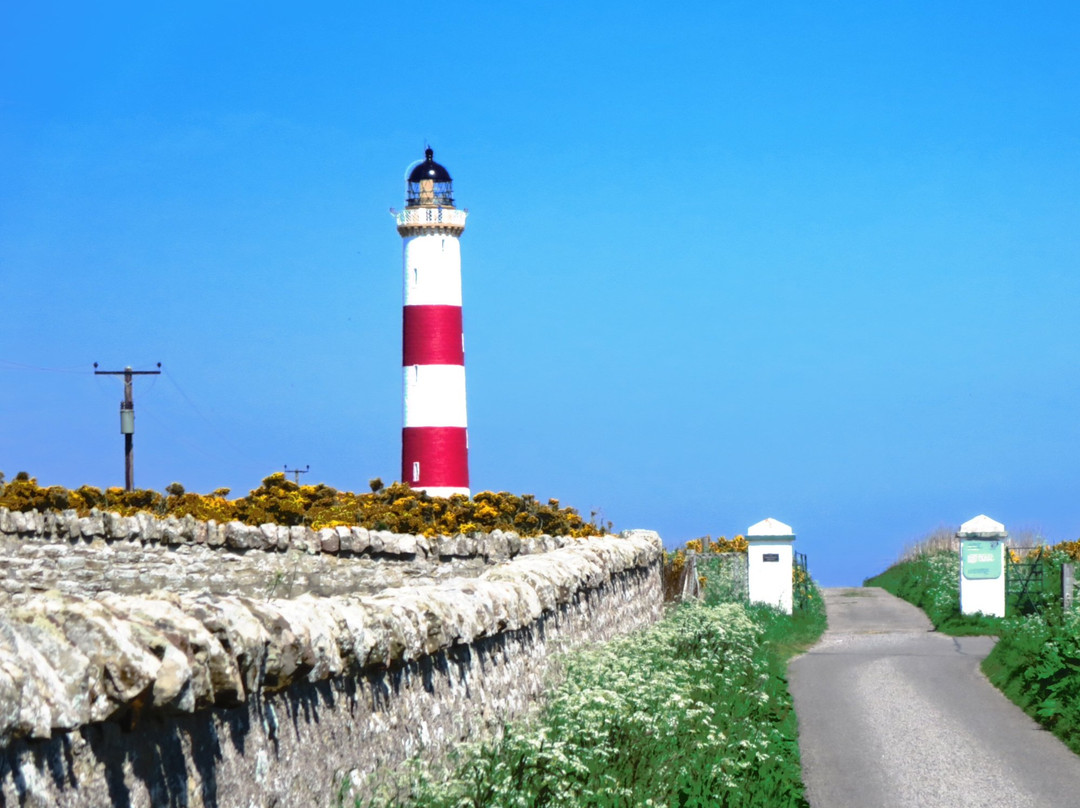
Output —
<point x="1068" y="585"/>
<point x="691" y="586"/>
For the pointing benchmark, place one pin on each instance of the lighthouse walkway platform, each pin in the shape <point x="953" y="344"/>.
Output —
<point x="893" y="714"/>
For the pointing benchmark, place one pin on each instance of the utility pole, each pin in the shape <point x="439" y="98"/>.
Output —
<point x="127" y="417"/>
<point x="297" y="472"/>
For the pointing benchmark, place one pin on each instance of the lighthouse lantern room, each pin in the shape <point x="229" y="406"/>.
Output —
<point x="434" y="437"/>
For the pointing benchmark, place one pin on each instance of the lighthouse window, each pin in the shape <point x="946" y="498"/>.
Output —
<point x="415" y="276"/>
<point x="416" y="472"/>
<point x="443" y="245"/>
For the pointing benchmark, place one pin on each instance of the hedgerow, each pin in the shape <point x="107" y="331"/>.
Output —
<point x="397" y="507"/>
<point x="693" y="711"/>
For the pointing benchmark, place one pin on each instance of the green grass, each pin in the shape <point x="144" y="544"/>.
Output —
<point x="693" y="711"/>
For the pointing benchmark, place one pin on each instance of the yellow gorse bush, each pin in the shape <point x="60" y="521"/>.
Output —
<point x="675" y="561"/>
<point x="397" y="507"/>
<point x="1069" y="548"/>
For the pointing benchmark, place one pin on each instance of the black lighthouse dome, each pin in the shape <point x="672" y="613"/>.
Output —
<point x="429" y="184"/>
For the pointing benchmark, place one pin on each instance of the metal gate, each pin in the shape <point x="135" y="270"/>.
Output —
<point x="1025" y="584"/>
<point x="800" y="582"/>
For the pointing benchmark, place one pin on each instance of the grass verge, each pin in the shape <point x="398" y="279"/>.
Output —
<point x="1036" y="664"/>
<point x="693" y="711"/>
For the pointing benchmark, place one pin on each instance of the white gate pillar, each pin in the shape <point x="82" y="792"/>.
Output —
<point x="982" y="566"/>
<point x="769" y="558"/>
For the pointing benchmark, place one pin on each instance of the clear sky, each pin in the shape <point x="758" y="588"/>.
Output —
<point x="724" y="260"/>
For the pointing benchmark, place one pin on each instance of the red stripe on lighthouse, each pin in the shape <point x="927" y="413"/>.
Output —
<point x="431" y="335"/>
<point x="435" y="457"/>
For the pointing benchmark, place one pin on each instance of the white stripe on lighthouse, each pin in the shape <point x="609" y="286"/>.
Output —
<point x="434" y="395"/>
<point x="432" y="270"/>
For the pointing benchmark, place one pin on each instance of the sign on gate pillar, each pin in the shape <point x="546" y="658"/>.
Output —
<point x="769" y="561"/>
<point x="982" y="566"/>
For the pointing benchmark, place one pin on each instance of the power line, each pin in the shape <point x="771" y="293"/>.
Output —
<point x="221" y="433"/>
<point x="7" y="364"/>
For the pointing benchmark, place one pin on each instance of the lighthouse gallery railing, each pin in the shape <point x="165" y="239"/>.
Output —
<point x="412" y="217"/>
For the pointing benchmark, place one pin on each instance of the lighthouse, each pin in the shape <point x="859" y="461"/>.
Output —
<point x="434" y="435"/>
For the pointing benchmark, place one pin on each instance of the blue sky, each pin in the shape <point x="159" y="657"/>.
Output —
<point x="724" y="260"/>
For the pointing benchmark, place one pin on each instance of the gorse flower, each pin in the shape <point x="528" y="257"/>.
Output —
<point x="279" y="500"/>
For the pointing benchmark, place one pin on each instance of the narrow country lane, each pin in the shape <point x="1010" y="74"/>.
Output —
<point x="892" y="713"/>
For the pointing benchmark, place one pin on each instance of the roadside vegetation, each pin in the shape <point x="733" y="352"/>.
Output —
<point x="1036" y="663"/>
<point x="1036" y="660"/>
<point x="397" y="507"/>
<point x="693" y="711"/>
<point x="928" y="576"/>
<point x="932" y="582"/>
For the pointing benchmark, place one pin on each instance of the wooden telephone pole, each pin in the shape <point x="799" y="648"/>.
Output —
<point x="127" y="417"/>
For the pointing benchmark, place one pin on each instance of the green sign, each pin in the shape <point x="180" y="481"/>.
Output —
<point x="981" y="560"/>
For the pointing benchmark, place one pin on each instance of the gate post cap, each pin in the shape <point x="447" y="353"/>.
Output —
<point x="769" y="528"/>
<point x="982" y="525"/>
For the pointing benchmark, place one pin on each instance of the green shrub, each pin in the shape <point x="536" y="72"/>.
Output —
<point x="1036" y="663"/>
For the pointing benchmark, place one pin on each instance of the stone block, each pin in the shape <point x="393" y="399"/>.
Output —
<point x="170" y="531"/>
<point x="298" y="536"/>
<point x="152" y="528"/>
<point x="359" y="540"/>
<point x="378" y="540"/>
<point x="50" y="524"/>
<point x="264" y="537"/>
<point x="215" y="534"/>
<point x="35" y="522"/>
<point x="116" y="526"/>
<point x="92" y="525"/>
<point x="236" y="535"/>
<point x="329" y="541"/>
<point x="17" y="520"/>
<point x="72" y="527"/>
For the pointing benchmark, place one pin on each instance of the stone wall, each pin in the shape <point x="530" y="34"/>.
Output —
<point x="106" y="552"/>
<point x="189" y="697"/>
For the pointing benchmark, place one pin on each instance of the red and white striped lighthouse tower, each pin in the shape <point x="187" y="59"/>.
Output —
<point x="434" y="438"/>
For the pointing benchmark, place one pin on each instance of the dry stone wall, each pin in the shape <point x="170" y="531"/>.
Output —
<point x="157" y="689"/>
<point x="106" y="552"/>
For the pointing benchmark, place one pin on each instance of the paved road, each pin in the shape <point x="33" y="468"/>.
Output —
<point x="893" y="714"/>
